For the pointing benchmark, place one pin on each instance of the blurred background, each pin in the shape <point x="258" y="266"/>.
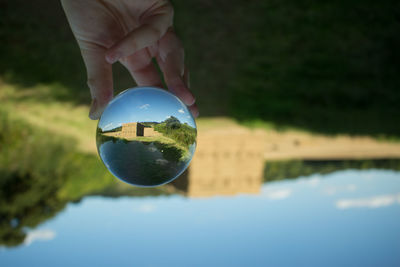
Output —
<point x="290" y="93"/>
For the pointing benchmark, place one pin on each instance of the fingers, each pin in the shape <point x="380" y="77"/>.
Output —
<point x="99" y="80"/>
<point x="142" y="69"/>
<point x="144" y="72"/>
<point x="171" y="61"/>
<point x="194" y="110"/>
<point x="151" y="30"/>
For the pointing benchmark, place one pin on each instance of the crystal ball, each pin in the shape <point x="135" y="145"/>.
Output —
<point x="146" y="136"/>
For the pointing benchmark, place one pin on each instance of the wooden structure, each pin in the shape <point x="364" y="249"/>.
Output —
<point x="132" y="130"/>
<point x="150" y="132"/>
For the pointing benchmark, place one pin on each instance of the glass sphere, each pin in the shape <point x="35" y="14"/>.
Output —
<point x="146" y="136"/>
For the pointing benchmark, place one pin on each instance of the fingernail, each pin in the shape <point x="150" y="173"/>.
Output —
<point x="93" y="113"/>
<point x="189" y="99"/>
<point x="178" y="87"/>
<point x="113" y="57"/>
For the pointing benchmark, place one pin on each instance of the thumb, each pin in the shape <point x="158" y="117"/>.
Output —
<point x="99" y="80"/>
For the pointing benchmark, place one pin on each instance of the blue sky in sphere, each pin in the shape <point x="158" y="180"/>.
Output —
<point x="144" y="105"/>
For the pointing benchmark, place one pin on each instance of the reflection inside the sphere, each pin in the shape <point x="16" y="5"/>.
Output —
<point x="146" y="137"/>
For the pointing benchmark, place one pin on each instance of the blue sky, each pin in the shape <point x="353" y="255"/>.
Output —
<point x="347" y="218"/>
<point x="144" y="104"/>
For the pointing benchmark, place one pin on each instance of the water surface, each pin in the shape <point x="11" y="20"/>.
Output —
<point x="345" y="218"/>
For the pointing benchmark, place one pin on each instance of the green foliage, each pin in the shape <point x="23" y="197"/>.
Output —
<point x="183" y="134"/>
<point x="279" y="170"/>
<point x="325" y="66"/>
<point x="173" y="123"/>
<point x="170" y="152"/>
<point x="117" y="129"/>
<point x="39" y="173"/>
<point x="33" y="167"/>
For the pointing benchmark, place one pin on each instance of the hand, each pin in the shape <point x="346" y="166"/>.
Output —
<point x="132" y="32"/>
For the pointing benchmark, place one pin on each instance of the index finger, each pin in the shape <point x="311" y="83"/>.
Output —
<point x="151" y="29"/>
<point x="170" y="58"/>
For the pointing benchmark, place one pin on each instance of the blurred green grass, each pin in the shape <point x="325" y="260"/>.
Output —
<point x="322" y="66"/>
<point x="40" y="172"/>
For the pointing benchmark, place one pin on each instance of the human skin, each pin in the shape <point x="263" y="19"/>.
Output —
<point x="131" y="32"/>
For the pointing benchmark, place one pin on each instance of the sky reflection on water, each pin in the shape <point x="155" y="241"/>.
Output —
<point x="347" y="218"/>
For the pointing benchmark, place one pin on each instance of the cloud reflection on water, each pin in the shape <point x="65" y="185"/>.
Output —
<point x="372" y="202"/>
<point x="39" y="235"/>
<point x="276" y="194"/>
<point x="145" y="208"/>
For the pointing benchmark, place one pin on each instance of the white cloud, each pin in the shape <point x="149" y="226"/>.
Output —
<point x="351" y="187"/>
<point x="313" y="182"/>
<point x="277" y="194"/>
<point x="108" y="126"/>
<point x="332" y="190"/>
<point x="181" y="110"/>
<point x="145" y="106"/>
<point x="39" y="235"/>
<point x="373" y="202"/>
<point x="146" y="208"/>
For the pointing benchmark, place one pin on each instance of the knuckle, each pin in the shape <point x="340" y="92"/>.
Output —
<point x="154" y="31"/>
